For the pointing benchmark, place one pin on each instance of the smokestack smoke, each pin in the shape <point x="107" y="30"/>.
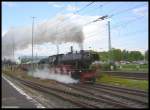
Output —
<point x="55" y="31"/>
<point x="47" y="74"/>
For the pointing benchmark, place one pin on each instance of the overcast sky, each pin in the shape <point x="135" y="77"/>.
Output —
<point x="129" y="25"/>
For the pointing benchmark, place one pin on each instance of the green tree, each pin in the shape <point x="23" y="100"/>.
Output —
<point x="116" y="54"/>
<point x="125" y="55"/>
<point x="146" y="55"/>
<point x="103" y="56"/>
<point x="135" y="56"/>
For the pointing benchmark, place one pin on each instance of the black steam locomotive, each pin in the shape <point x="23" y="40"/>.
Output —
<point x="74" y="63"/>
<point x="80" y="60"/>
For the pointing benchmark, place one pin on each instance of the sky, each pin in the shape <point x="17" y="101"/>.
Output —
<point x="128" y="24"/>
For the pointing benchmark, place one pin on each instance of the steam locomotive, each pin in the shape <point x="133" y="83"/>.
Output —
<point x="76" y="64"/>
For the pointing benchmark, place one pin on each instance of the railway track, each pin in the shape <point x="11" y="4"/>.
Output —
<point x="91" y="96"/>
<point x="123" y="89"/>
<point x="126" y="98"/>
<point x="129" y="75"/>
<point x="133" y="100"/>
<point x="133" y="78"/>
<point x="55" y="92"/>
<point x="80" y="98"/>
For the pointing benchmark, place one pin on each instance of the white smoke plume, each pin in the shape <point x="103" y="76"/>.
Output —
<point x="67" y="28"/>
<point x="47" y="74"/>
<point x="60" y="29"/>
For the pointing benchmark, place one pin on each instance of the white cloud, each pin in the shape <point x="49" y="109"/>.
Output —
<point x="72" y="8"/>
<point x="56" y="4"/>
<point x="3" y="32"/>
<point x="51" y="3"/>
<point x="84" y="3"/>
<point x="142" y="11"/>
<point x="9" y="4"/>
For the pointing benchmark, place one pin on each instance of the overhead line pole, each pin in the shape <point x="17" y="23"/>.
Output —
<point x="13" y="48"/>
<point x="109" y="39"/>
<point x="57" y="48"/>
<point x="32" y="40"/>
<point x="109" y="43"/>
<point x="109" y="34"/>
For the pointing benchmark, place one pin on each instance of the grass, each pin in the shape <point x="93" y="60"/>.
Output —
<point x="103" y="78"/>
<point x="133" y="67"/>
<point x="133" y="70"/>
<point x="135" y="84"/>
<point x="23" y="75"/>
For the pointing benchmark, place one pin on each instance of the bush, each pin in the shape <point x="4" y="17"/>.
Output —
<point x="95" y="66"/>
<point x="144" y="66"/>
<point x="105" y="67"/>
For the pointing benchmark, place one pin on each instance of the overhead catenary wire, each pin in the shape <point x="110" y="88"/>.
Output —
<point x="129" y="34"/>
<point x="59" y="33"/>
<point x="117" y="13"/>
<point x="120" y="12"/>
<point x="63" y="9"/>
<point x="126" y="10"/>
<point x="114" y="27"/>
<point x="132" y="39"/>
<point x="83" y="7"/>
<point x="71" y="16"/>
<point x="113" y="14"/>
<point x="81" y="10"/>
<point x="74" y="14"/>
<point x="128" y="22"/>
<point x="135" y="32"/>
<point x="94" y="7"/>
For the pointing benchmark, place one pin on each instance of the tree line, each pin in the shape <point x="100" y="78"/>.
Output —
<point x="123" y="55"/>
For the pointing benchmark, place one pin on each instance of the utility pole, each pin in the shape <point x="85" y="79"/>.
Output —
<point x="32" y="40"/>
<point x="145" y="57"/>
<point x="13" y="46"/>
<point x="13" y="49"/>
<point x="57" y="48"/>
<point x="109" y="42"/>
<point x="109" y="39"/>
<point x="109" y="47"/>
<point x="57" y="43"/>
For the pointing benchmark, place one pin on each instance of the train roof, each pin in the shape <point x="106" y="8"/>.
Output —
<point x="56" y="55"/>
<point x="74" y="52"/>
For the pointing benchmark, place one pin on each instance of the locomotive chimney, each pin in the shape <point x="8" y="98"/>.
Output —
<point x="71" y="49"/>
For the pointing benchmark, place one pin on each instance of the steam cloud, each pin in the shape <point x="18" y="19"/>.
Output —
<point x="47" y="74"/>
<point x="57" y="30"/>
